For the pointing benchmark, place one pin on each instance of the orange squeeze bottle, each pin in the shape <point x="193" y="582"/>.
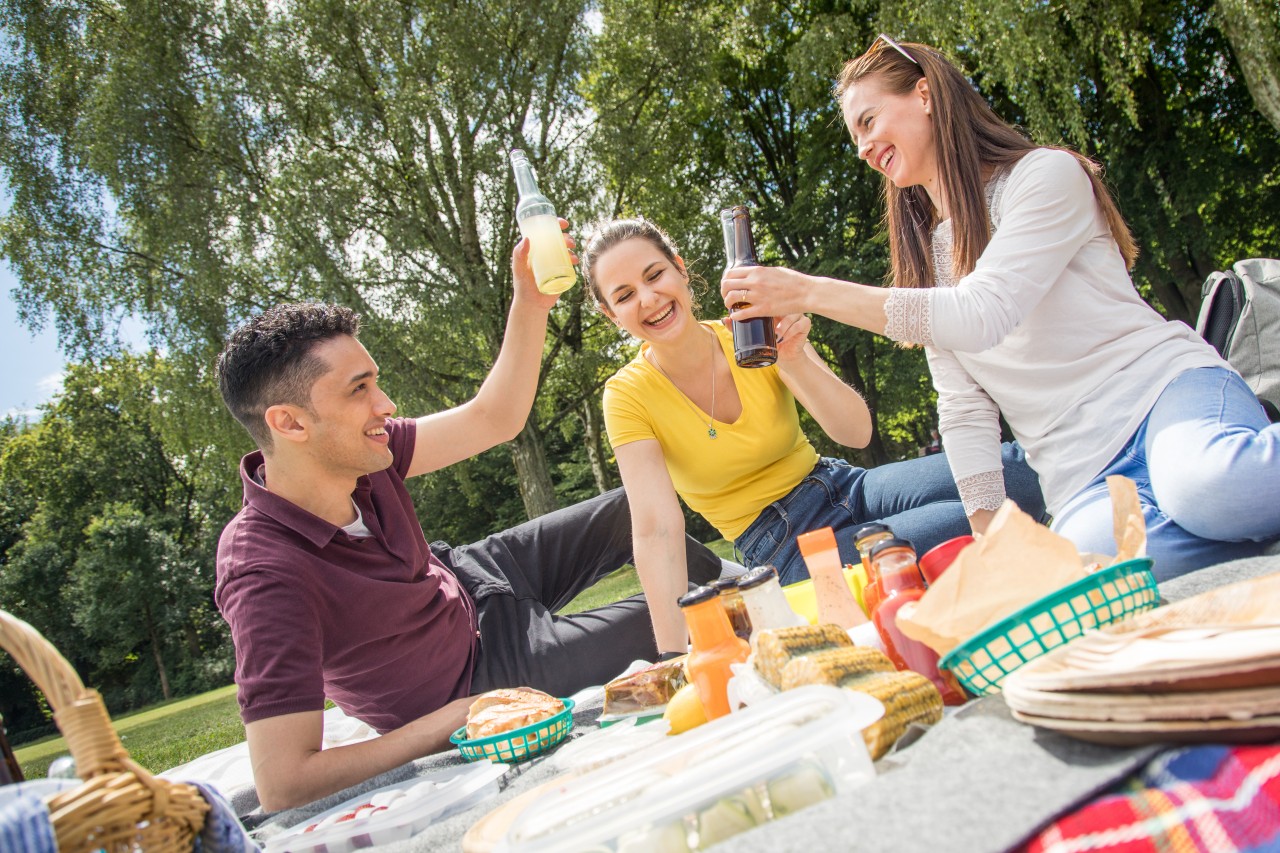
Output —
<point x="714" y="647"/>
<point x="836" y="604"/>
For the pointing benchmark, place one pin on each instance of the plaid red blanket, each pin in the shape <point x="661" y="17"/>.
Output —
<point x="1219" y="798"/>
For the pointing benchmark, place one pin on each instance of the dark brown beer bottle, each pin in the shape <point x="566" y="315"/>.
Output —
<point x="754" y="341"/>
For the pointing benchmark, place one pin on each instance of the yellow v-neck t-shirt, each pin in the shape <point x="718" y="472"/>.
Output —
<point x="727" y="480"/>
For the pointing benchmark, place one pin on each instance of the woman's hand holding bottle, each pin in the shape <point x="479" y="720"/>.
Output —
<point x="793" y="334"/>
<point x="769" y="291"/>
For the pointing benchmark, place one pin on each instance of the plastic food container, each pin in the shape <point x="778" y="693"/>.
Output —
<point x="518" y="744"/>
<point x="1106" y="596"/>
<point x="702" y="787"/>
<point x="411" y="807"/>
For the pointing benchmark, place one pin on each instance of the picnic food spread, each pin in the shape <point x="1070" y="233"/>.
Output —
<point x="714" y="648"/>
<point x="509" y="708"/>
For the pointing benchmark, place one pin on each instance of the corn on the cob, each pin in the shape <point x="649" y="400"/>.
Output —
<point x="908" y="697"/>
<point x="774" y="648"/>
<point x="835" y="666"/>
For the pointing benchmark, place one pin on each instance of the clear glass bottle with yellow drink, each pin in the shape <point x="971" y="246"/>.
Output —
<point x="552" y="270"/>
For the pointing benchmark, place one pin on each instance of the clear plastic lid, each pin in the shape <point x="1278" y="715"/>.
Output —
<point x="773" y="758"/>
<point x="392" y="812"/>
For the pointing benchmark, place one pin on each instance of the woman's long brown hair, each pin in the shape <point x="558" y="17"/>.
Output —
<point x="970" y="142"/>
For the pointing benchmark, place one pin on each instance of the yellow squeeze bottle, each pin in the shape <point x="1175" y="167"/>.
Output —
<point x="553" y="272"/>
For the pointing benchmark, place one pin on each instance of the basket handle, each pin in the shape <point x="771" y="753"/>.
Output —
<point x="42" y="663"/>
<point x="80" y="713"/>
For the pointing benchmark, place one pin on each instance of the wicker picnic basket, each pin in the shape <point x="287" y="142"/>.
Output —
<point x="120" y="806"/>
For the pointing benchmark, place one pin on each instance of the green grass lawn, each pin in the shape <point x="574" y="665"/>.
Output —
<point x="173" y="733"/>
<point x="160" y="736"/>
<point x="624" y="583"/>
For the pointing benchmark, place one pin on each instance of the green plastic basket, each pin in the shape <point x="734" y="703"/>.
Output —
<point x="1106" y="596"/>
<point x="518" y="744"/>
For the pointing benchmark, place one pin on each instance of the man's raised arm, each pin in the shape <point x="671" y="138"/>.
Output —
<point x="500" y="408"/>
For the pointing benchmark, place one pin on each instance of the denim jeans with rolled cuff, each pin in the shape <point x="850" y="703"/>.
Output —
<point x="1207" y="465"/>
<point x="917" y="498"/>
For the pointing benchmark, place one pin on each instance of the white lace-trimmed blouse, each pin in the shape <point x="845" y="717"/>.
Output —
<point x="1047" y="329"/>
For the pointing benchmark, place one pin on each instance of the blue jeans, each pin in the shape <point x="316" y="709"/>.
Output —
<point x="1207" y="465"/>
<point x="917" y="498"/>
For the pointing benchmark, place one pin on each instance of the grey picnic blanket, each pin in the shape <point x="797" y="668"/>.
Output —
<point x="977" y="781"/>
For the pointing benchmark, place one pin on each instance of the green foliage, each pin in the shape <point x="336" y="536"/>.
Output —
<point x="1154" y="92"/>
<point x="113" y="559"/>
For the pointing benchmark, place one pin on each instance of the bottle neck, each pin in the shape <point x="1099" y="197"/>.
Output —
<point x="726" y="225"/>
<point x="744" y="244"/>
<point x="767" y="605"/>
<point x="526" y="182"/>
<point x="708" y="624"/>
<point x="897" y="571"/>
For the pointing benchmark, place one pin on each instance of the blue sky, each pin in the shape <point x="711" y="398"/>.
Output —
<point x="34" y="372"/>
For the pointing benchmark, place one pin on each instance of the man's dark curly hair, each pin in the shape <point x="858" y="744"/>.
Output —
<point x="270" y="360"/>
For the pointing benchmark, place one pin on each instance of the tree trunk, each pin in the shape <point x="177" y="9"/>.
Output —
<point x="874" y="453"/>
<point x="155" y="653"/>
<point x="532" y="473"/>
<point x="1253" y="28"/>
<point x="592" y="438"/>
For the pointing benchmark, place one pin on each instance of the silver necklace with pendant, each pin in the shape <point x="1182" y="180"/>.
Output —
<point x="711" y="424"/>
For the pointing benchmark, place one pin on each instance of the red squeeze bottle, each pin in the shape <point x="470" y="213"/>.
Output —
<point x="714" y="647"/>
<point x="900" y="583"/>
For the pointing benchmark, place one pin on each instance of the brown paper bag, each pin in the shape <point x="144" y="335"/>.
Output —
<point x="1017" y="562"/>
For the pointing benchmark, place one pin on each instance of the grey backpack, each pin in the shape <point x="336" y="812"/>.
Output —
<point x="1240" y="317"/>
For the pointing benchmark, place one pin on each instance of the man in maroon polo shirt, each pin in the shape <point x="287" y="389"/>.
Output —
<point x="331" y="589"/>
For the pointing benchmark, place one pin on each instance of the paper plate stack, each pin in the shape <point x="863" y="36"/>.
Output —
<point x="1203" y="669"/>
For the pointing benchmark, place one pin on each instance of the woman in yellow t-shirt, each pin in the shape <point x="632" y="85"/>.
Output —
<point x="685" y="420"/>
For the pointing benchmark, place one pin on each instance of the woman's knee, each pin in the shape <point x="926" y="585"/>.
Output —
<point x="1227" y="488"/>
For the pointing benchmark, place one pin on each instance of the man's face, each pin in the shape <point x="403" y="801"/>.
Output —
<point x="349" y="411"/>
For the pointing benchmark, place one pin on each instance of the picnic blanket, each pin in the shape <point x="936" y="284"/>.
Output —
<point x="1219" y="798"/>
<point x="978" y="781"/>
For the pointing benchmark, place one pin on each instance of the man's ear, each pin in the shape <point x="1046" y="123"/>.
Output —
<point x="287" y="422"/>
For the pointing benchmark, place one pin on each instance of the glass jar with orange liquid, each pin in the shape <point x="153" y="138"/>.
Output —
<point x="713" y="648"/>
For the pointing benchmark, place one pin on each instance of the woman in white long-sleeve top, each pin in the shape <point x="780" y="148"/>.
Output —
<point x="1010" y="266"/>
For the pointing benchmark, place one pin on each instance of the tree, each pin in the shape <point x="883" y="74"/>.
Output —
<point x="1150" y="89"/>
<point x="192" y="162"/>
<point x="1254" y="31"/>
<point x="108" y="547"/>
<point x="701" y="107"/>
<point x="132" y="589"/>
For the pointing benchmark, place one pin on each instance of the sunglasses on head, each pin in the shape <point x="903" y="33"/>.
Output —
<point x="893" y="44"/>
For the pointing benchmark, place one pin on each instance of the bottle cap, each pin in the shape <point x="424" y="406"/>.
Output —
<point x="886" y="544"/>
<point x="871" y="530"/>
<point x="816" y="541"/>
<point x="697" y="596"/>
<point x="724" y="584"/>
<point x="757" y="576"/>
